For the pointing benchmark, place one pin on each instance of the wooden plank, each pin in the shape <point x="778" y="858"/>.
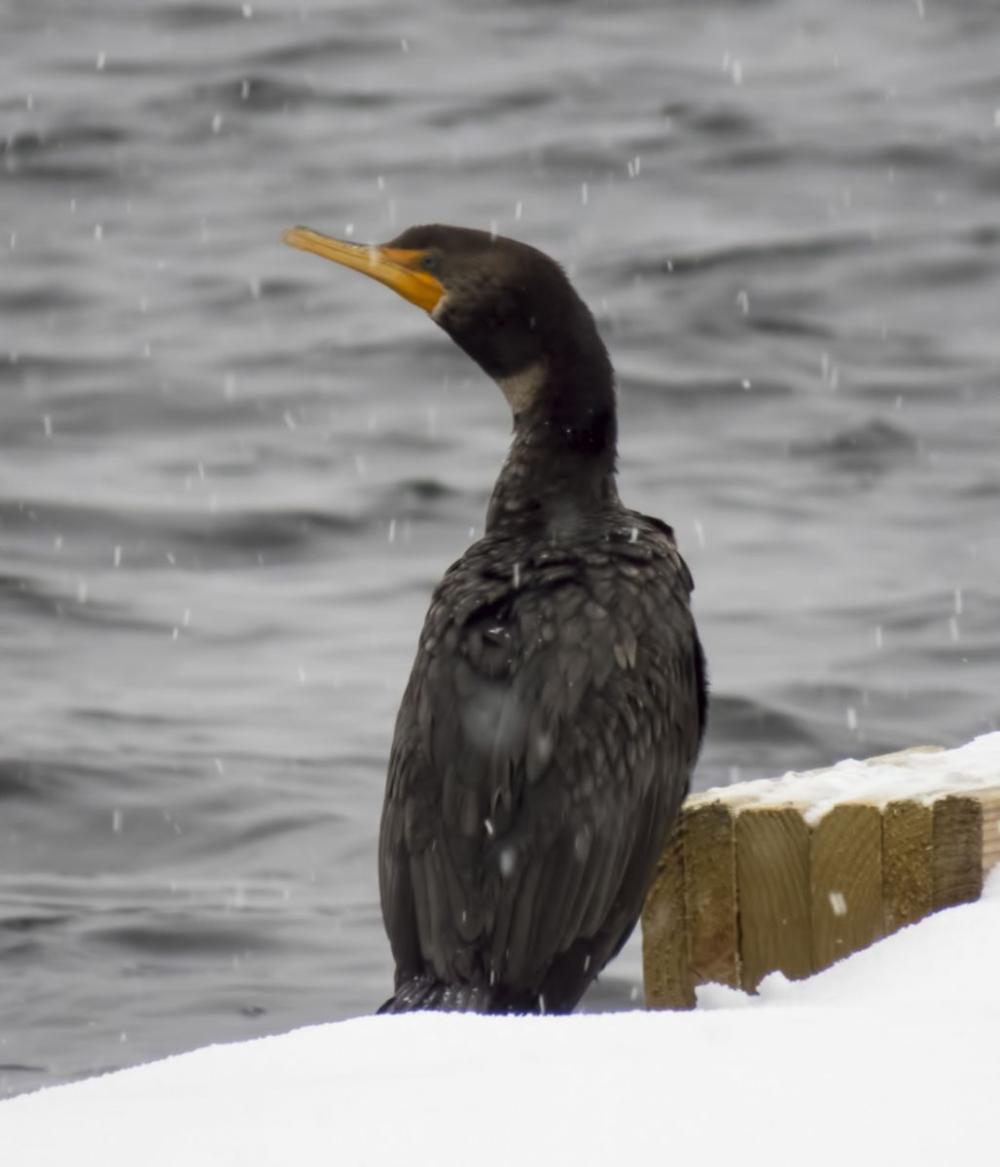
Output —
<point x="710" y="902"/>
<point x="845" y="882"/>
<point x="957" y="862"/>
<point x="665" y="972"/>
<point x="907" y="878"/>
<point x="989" y="800"/>
<point x="772" y="869"/>
<point x="749" y="888"/>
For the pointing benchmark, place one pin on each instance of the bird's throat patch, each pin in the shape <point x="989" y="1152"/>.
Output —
<point x="522" y="388"/>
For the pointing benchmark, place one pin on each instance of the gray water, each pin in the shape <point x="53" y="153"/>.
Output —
<point x="231" y="474"/>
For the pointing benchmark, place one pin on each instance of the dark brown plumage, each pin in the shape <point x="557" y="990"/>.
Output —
<point x="558" y="698"/>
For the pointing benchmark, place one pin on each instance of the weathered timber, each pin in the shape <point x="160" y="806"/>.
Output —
<point x="783" y="876"/>
<point x="990" y="802"/>
<point x="772" y="868"/>
<point x="957" y="863"/>
<point x="907" y="878"/>
<point x="845" y="882"/>
<point x="710" y="903"/>
<point x="665" y="970"/>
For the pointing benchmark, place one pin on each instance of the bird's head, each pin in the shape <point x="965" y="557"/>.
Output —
<point x="508" y="305"/>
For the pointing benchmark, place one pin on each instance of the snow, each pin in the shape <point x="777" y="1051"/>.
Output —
<point x="923" y="772"/>
<point x="890" y="1056"/>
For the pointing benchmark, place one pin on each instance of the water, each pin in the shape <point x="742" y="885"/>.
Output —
<point x="231" y="473"/>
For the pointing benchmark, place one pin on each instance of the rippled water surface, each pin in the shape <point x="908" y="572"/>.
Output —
<point x="231" y="474"/>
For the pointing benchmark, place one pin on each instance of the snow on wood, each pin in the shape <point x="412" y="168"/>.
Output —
<point x="792" y="874"/>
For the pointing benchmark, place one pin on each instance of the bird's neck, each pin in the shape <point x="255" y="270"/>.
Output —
<point x="560" y="470"/>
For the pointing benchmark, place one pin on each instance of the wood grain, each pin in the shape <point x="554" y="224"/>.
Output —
<point x="845" y="882"/>
<point x="747" y="888"/>
<point x="907" y="876"/>
<point x="957" y="862"/>
<point x="710" y="902"/>
<point x="666" y="974"/>
<point x="989" y="800"/>
<point x="772" y="868"/>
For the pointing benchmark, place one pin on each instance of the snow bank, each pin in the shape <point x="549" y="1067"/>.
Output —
<point x="889" y="1056"/>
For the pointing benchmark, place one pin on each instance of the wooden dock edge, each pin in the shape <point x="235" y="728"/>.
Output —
<point x="745" y="887"/>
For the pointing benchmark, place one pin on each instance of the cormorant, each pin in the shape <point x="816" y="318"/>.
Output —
<point x="558" y="698"/>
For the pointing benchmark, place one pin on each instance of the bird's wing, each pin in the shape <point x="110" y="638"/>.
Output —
<point x="543" y="746"/>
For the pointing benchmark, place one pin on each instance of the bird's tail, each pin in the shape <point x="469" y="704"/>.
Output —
<point x="426" y="992"/>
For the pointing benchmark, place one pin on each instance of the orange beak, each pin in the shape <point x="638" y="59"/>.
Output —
<point x="395" y="267"/>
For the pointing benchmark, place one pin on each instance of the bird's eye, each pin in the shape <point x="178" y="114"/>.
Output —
<point x="429" y="261"/>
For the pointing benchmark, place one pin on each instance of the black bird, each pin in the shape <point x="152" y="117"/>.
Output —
<point x="558" y="698"/>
